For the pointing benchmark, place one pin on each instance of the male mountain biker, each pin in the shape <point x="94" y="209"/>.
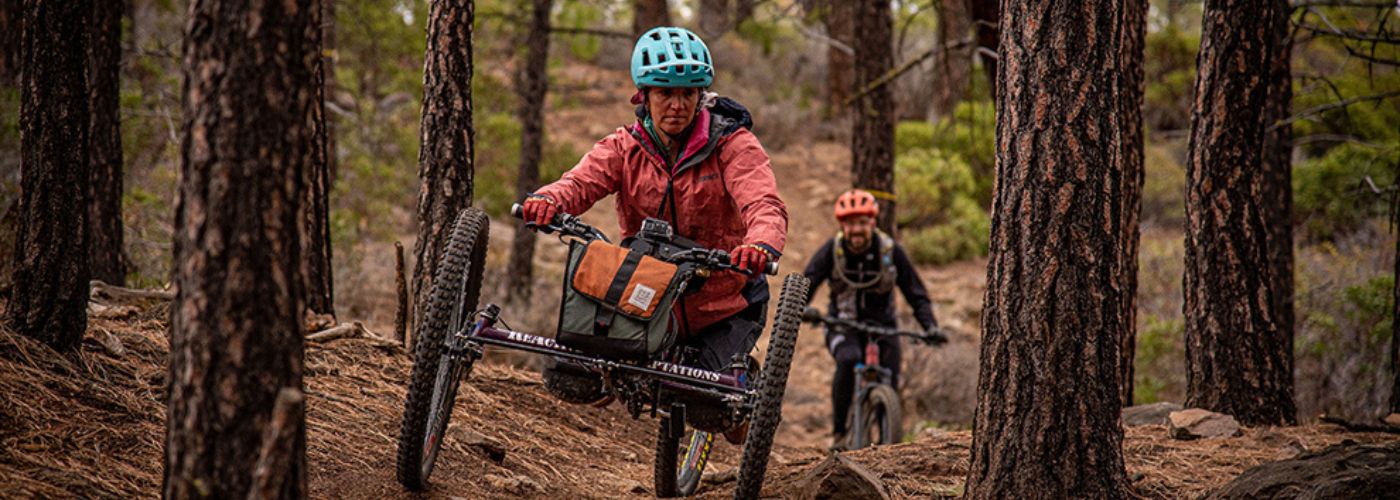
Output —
<point x="864" y="266"/>
<point x="690" y="160"/>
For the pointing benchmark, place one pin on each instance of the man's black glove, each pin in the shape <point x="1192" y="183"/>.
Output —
<point x="934" y="336"/>
<point x="812" y="315"/>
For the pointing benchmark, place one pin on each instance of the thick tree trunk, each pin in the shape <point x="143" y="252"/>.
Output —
<point x="1395" y="314"/>
<point x="872" y="138"/>
<point x="648" y="14"/>
<point x="953" y="65"/>
<point x="1239" y="345"/>
<point x="1278" y="171"/>
<point x="1130" y="91"/>
<point x="714" y="18"/>
<point x="533" y="84"/>
<point x="1046" y="423"/>
<point x="11" y="28"/>
<point x="985" y="19"/>
<point x="235" y="323"/>
<point x="105" y="144"/>
<point x="839" y="17"/>
<point x="318" y="272"/>
<point x="445" y="152"/>
<point x="50" y="281"/>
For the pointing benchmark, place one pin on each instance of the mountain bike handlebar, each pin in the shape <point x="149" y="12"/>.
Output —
<point x="935" y="335"/>
<point x="572" y="225"/>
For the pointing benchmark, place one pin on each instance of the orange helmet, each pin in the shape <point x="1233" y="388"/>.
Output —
<point x="856" y="202"/>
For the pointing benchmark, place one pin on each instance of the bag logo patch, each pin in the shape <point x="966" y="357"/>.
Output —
<point x="641" y="297"/>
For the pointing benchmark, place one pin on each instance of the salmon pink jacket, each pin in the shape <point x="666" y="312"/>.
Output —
<point x="722" y="194"/>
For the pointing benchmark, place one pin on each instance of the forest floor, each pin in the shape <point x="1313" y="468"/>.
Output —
<point x="91" y="424"/>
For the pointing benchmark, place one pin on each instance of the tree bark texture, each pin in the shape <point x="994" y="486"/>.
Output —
<point x="839" y="18"/>
<point x="445" y="151"/>
<point x="985" y="19"/>
<point x="318" y="271"/>
<point x="49" y="292"/>
<point x="872" y="137"/>
<point x="1239" y="345"/>
<point x="235" y="322"/>
<point x="1395" y="312"/>
<point x="1130" y="94"/>
<point x="1278" y="169"/>
<point x="952" y="66"/>
<point x="533" y="85"/>
<point x="1046" y="422"/>
<point x="106" y="253"/>
<point x="648" y="14"/>
<point x="11" y="28"/>
<point x="714" y="18"/>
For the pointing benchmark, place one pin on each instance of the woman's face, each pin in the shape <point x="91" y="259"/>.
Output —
<point x="672" y="109"/>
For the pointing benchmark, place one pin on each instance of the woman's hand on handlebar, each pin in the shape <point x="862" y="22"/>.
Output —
<point x="539" y="210"/>
<point x="750" y="258"/>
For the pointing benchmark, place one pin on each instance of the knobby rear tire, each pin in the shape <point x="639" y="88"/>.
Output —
<point x="767" y="412"/>
<point x="455" y="290"/>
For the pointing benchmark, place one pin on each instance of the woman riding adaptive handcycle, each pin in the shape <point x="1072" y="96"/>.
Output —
<point x="662" y="385"/>
<point x="663" y="322"/>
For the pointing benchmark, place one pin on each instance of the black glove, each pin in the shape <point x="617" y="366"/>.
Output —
<point x="934" y="336"/>
<point x="812" y="315"/>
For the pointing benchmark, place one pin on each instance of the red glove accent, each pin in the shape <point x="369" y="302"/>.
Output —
<point x="538" y="210"/>
<point x="749" y="258"/>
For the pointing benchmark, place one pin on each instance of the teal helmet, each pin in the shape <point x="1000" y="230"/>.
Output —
<point x="671" y="57"/>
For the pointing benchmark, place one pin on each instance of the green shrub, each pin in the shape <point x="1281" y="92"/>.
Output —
<point x="1330" y="194"/>
<point x="940" y="220"/>
<point x="1158" y="354"/>
<point x="1372" y="307"/>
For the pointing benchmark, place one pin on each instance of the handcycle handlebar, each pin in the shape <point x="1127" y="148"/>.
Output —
<point x="571" y="225"/>
<point x="935" y="335"/>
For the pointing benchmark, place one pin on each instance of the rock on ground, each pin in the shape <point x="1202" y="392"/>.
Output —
<point x="1196" y="423"/>
<point x="841" y="477"/>
<point x="1149" y="414"/>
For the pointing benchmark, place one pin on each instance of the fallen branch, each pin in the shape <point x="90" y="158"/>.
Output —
<point x="1358" y="426"/>
<point x="590" y="32"/>
<point x="101" y="289"/>
<point x="351" y="330"/>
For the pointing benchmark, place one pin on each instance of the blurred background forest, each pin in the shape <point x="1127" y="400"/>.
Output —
<point x="775" y="61"/>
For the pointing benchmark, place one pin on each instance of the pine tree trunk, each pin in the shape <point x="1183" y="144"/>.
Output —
<point x="714" y="18"/>
<point x="1046" y="422"/>
<point x="1131" y="87"/>
<point x="872" y="138"/>
<point x="1395" y="314"/>
<point x="1239" y="345"/>
<point x="1278" y="170"/>
<point x="235" y="323"/>
<point x="839" y="17"/>
<point x="533" y="85"/>
<point x="105" y="144"/>
<point x="319" y="274"/>
<point x="446" y="138"/>
<point x="11" y="28"/>
<point x="953" y="65"/>
<point x="648" y="14"/>
<point x="985" y="20"/>
<point x="49" y="289"/>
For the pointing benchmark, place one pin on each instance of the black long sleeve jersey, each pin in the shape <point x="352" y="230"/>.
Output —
<point x="873" y="307"/>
